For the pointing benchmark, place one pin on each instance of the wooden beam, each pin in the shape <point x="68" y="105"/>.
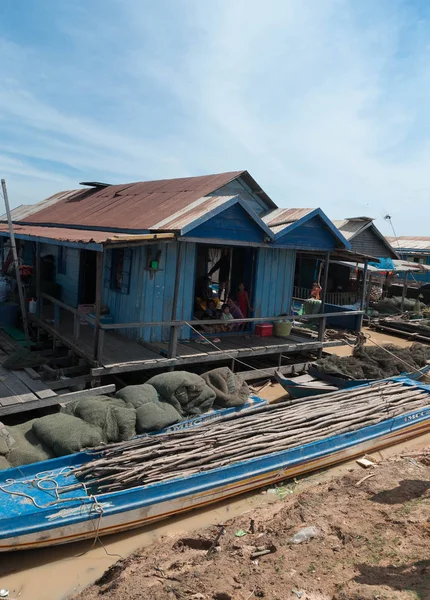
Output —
<point x="97" y="391"/>
<point x="97" y="307"/>
<point x="173" y="339"/>
<point x="180" y="323"/>
<point x="216" y="356"/>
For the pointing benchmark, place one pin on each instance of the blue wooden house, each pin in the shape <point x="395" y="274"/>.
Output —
<point x="132" y="257"/>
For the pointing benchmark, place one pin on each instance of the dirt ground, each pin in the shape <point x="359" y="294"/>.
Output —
<point x="372" y="542"/>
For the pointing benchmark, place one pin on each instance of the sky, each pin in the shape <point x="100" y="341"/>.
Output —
<point x="324" y="102"/>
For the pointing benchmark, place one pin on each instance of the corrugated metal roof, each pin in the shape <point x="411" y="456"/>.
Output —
<point x="81" y="236"/>
<point x="192" y="212"/>
<point x="351" y="227"/>
<point x="410" y="242"/>
<point x="279" y="218"/>
<point x="24" y="210"/>
<point x="141" y="205"/>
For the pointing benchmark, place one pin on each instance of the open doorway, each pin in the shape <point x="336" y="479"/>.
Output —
<point x="224" y="274"/>
<point x="87" y="277"/>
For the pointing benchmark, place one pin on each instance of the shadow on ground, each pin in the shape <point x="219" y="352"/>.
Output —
<point x="408" y="489"/>
<point x="413" y="577"/>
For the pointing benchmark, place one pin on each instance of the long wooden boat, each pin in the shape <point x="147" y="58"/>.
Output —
<point x="349" y="382"/>
<point x="298" y="389"/>
<point x="44" y="504"/>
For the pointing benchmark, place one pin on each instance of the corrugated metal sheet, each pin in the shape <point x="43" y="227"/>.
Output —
<point x="410" y="242"/>
<point x="139" y="205"/>
<point x="349" y="228"/>
<point x="82" y="236"/>
<point x="24" y="210"/>
<point x="192" y="212"/>
<point x="278" y="219"/>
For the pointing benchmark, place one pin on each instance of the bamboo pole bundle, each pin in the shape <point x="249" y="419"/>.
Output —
<point x="238" y="437"/>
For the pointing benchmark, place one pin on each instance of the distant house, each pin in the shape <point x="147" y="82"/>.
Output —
<point x="365" y="237"/>
<point x="140" y="252"/>
<point x="414" y="249"/>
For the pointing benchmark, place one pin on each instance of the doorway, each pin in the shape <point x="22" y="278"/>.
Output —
<point x="220" y="271"/>
<point x="87" y="277"/>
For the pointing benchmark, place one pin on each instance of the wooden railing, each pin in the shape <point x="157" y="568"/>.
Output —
<point x="338" y="298"/>
<point x="175" y="326"/>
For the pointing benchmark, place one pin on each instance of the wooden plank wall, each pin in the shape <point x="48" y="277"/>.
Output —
<point x="274" y="281"/>
<point x="151" y="294"/>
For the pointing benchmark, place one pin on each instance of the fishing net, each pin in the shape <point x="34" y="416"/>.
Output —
<point x="230" y="389"/>
<point x="135" y="395"/>
<point x="153" y="416"/>
<point x="6" y="440"/>
<point x="66" y="434"/>
<point x="187" y="392"/>
<point x="27" y="448"/>
<point x="376" y="362"/>
<point x="22" y="359"/>
<point x="117" y="423"/>
<point x="4" y="464"/>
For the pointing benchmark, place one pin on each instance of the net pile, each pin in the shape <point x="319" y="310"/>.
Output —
<point x="375" y="362"/>
<point x="262" y="431"/>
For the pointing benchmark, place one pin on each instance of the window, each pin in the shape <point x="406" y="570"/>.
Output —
<point x="62" y="260"/>
<point x="120" y="270"/>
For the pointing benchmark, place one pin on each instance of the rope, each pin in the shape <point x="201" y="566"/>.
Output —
<point x="227" y="353"/>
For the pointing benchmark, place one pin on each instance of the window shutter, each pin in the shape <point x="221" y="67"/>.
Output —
<point x="126" y="271"/>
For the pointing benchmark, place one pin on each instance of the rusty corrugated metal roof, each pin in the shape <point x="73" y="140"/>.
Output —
<point x="281" y="217"/>
<point x="192" y="212"/>
<point x="406" y="242"/>
<point x="81" y="236"/>
<point x="24" y="210"/>
<point x="141" y="205"/>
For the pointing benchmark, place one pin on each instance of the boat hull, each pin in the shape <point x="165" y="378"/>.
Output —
<point x="138" y="507"/>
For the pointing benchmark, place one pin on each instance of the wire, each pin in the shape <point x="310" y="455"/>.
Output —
<point x="227" y="353"/>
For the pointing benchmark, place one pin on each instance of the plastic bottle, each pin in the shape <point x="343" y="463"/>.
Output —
<point x="32" y="305"/>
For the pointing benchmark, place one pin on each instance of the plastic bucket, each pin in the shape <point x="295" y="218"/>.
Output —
<point x="283" y="328"/>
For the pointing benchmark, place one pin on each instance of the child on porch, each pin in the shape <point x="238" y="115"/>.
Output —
<point x="242" y="300"/>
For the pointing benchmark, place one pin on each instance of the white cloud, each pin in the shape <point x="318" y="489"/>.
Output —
<point x="324" y="101"/>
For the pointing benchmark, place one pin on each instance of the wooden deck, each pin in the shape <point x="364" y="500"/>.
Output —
<point x="122" y="354"/>
<point x="24" y="390"/>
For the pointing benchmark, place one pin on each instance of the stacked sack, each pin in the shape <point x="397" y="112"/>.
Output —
<point x="164" y="400"/>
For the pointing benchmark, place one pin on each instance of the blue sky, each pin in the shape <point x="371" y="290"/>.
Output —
<point x="325" y="102"/>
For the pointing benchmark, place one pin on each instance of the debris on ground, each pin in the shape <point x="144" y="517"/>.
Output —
<point x="372" y="543"/>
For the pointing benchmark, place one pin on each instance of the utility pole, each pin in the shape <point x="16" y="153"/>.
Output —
<point x="15" y="262"/>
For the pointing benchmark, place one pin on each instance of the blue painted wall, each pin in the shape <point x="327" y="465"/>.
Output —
<point x="312" y="235"/>
<point x="70" y="280"/>
<point x="150" y="298"/>
<point x="274" y="281"/>
<point x="234" y="223"/>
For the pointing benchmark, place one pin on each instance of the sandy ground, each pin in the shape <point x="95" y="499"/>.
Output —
<point x="372" y="542"/>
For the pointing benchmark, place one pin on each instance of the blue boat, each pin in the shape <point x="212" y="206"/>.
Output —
<point x="45" y="504"/>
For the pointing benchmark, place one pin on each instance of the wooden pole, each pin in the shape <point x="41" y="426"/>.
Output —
<point x="363" y="292"/>
<point x="15" y="260"/>
<point x="38" y="307"/>
<point x="174" y="331"/>
<point x="405" y="287"/>
<point x="323" y="320"/>
<point x="97" y="306"/>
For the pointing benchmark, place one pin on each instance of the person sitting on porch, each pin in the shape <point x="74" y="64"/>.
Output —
<point x="236" y="313"/>
<point x="242" y="300"/>
<point x="226" y="316"/>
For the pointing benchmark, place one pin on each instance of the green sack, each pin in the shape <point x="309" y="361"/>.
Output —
<point x="66" y="434"/>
